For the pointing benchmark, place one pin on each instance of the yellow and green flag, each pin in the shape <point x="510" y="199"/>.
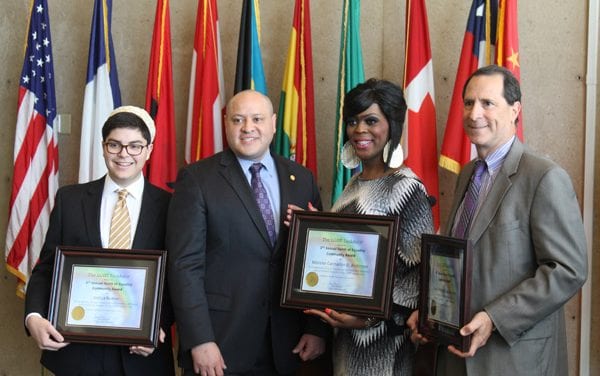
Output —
<point x="295" y="137"/>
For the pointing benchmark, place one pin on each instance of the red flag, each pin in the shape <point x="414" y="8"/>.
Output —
<point x="35" y="177"/>
<point x="420" y="139"/>
<point x="295" y="137"/>
<point x="161" y="168"/>
<point x="204" y="135"/>
<point x="476" y="52"/>
<point x="507" y="45"/>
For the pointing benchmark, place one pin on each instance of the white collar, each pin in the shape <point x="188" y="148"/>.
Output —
<point x="134" y="189"/>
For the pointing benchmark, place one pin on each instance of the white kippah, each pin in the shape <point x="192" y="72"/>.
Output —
<point x="142" y="114"/>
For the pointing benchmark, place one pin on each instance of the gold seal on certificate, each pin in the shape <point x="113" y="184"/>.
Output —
<point x="312" y="279"/>
<point x="344" y="260"/>
<point x="78" y="313"/>
<point x="341" y="261"/>
<point x="107" y="296"/>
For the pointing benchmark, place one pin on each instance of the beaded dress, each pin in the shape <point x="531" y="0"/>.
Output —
<point x="385" y="348"/>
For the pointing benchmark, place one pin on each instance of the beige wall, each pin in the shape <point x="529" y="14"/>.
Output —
<point x="553" y="52"/>
<point x="595" y="347"/>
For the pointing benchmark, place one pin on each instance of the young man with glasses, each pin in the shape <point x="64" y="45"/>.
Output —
<point x="83" y="215"/>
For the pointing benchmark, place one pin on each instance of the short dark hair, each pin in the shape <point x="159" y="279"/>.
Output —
<point x="512" y="89"/>
<point x="390" y="99"/>
<point x="125" y="120"/>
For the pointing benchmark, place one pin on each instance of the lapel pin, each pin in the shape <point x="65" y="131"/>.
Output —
<point x="293" y="177"/>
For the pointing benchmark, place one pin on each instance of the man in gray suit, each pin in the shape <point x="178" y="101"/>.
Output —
<point x="227" y="251"/>
<point x="529" y="250"/>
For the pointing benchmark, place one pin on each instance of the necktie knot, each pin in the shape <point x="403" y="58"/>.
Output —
<point x="122" y="194"/>
<point x="255" y="169"/>
<point x="480" y="166"/>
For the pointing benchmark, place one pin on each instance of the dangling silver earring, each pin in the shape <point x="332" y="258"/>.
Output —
<point x="348" y="156"/>
<point x="397" y="156"/>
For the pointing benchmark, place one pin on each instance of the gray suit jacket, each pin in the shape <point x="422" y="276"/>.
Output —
<point x="529" y="259"/>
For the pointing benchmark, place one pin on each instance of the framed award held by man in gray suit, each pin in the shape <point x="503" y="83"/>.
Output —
<point x="445" y="294"/>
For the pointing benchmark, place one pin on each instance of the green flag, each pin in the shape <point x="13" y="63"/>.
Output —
<point x="351" y="74"/>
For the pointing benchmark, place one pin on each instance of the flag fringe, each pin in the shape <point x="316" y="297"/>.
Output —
<point x="450" y="164"/>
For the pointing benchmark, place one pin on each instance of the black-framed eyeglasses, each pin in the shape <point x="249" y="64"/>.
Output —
<point x="131" y="149"/>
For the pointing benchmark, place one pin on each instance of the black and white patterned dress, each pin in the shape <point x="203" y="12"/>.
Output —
<point x="386" y="349"/>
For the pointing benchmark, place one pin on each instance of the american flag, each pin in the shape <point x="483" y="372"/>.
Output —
<point x="35" y="177"/>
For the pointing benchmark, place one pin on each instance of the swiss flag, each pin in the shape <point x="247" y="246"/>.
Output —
<point x="420" y="139"/>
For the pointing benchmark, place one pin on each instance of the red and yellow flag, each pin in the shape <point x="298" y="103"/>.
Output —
<point x="492" y="27"/>
<point x="295" y="138"/>
<point x="476" y="51"/>
<point x="161" y="168"/>
<point x="507" y="45"/>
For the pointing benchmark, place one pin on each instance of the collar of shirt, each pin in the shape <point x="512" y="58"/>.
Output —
<point x="267" y="161"/>
<point x="134" y="190"/>
<point x="109" y="199"/>
<point x="270" y="181"/>
<point x="494" y="163"/>
<point x="495" y="160"/>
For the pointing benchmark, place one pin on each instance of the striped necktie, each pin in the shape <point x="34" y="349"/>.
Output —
<point x="260" y="195"/>
<point x="470" y="201"/>
<point x="120" y="224"/>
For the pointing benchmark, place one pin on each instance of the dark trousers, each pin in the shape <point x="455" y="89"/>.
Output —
<point x="100" y="360"/>
<point x="264" y="365"/>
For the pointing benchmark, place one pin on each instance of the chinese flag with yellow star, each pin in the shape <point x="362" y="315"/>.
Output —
<point x="507" y="45"/>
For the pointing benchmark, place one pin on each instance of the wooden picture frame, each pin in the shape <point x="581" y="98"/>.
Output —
<point x="445" y="293"/>
<point x="341" y="261"/>
<point x="107" y="296"/>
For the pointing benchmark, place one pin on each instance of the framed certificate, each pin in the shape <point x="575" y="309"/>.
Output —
<point x="445" y="295"/>
<point x="340" y="261"/>
<point x="107" y="296"/>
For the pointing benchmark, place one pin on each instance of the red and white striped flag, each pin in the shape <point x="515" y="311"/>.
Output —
<point x="420" y="138"/>
<point x="204" y="135"/>
<point x="35" y="177"/>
